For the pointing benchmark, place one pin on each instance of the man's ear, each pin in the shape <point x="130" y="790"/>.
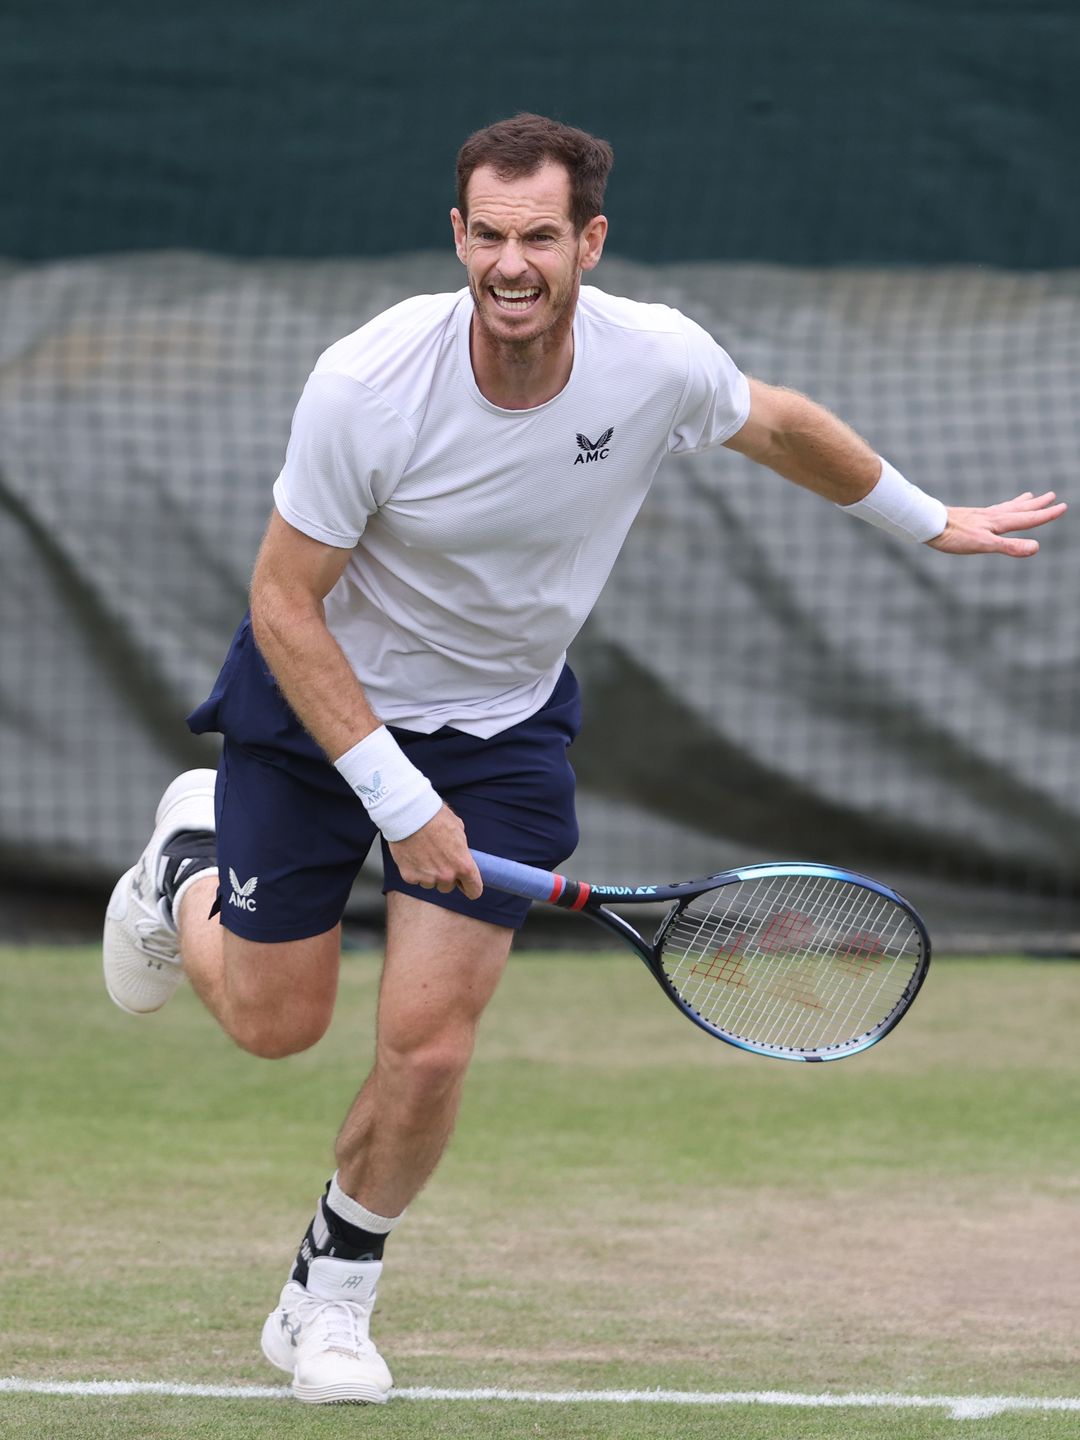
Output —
<point x="457" y="221"/>
<point x="592" y="242"/>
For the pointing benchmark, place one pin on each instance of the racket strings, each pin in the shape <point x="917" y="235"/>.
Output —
<point x="799" y="1003"/>
<point x="804" y="962"/>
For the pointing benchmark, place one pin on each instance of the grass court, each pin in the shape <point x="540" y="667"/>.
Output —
<point x="627" y="1205"/>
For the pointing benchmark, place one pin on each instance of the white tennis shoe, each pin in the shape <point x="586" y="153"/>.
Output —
<point x="141" y="957"/>
<point x="319" y="1335"/>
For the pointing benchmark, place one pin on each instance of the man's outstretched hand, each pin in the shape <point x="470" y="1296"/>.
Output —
<point x="986" y="530"/>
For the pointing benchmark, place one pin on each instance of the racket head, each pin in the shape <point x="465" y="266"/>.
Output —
<point x="799" y="962"/>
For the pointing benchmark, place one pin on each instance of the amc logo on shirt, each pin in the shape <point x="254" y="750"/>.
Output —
<point x="593" y="449"/>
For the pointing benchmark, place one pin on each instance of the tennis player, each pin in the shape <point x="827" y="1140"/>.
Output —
<point x="461" y="474"/>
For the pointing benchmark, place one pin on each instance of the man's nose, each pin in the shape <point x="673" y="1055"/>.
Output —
<point x="512" y="262"/>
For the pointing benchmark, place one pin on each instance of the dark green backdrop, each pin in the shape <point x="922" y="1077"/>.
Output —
<point x="841" y="131"/>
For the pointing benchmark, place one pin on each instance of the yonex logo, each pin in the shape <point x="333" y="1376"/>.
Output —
<point x="241" y="894"/>
<point x="293" y="1331"/>
<point x="373" y="793"/>
<point x="593" y="449"/>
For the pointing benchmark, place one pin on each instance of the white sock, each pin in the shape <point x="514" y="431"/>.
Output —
<point x="357" y="1214"/>
<point x="185" y="886"/>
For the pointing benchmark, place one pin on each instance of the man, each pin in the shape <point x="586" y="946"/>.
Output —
<point x="436" y="543"/>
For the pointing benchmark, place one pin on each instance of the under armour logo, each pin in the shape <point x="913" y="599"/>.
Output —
<point x="593" y="449"/>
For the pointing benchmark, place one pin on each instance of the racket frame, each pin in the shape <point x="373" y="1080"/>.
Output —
<point x="552" y="888"/>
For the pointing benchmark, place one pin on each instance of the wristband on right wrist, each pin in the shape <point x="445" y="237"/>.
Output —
<point x="899" y="507"/>
<point x="397" y="796"/>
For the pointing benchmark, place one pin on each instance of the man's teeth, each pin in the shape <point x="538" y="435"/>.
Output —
<point x="515" y="299"/>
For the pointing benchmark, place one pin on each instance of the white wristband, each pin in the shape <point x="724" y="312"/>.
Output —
<point x="392" y="790"/>
<point x="899" y="507"/>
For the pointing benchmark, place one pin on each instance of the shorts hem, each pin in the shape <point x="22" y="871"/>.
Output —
<point x="279" y="934"/>
<point x="459" y="904"/>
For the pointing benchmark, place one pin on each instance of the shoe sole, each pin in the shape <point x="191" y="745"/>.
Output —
<point x="120" y="885"/>
<point x="340" y="1394"/>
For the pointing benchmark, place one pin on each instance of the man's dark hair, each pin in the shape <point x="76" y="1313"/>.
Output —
<point x="520" y="146"/>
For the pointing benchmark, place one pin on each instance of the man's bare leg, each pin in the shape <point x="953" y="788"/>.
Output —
<point x="441" y="970"/>
<point x="273" y="1000"/>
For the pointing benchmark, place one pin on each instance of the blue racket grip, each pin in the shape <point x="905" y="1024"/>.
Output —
<point x="515" y="878"/>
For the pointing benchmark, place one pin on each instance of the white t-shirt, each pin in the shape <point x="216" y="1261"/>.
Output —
<point x="482" y="537"/>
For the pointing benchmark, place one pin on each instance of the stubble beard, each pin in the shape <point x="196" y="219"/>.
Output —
<point x="534" y="346"/>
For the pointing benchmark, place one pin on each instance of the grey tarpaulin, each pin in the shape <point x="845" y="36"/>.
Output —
<point x="763" y="677"/>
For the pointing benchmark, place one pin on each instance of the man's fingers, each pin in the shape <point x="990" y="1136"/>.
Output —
<point x="471" y="884"/>
<point x="1007" y="517"/>
<point x="465" y="878"/>
<point x="995" y="542"/>
<point x="1029" y="499"/>
<point x="1042" y="517"/>
<point x="1019" y="548"/>
<point x="467" y="881"/>
<point x="1027" y="511"/>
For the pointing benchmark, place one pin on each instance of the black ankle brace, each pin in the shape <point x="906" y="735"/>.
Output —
<point x="329" y="1234"/>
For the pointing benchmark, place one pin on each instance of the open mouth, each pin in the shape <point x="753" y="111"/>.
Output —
<point x="519" y="300"/>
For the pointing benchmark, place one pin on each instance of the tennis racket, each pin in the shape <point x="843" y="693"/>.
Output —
<point x="800" y="962"/>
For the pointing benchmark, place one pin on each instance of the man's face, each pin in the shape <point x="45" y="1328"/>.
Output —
<point x="523" y="256"/>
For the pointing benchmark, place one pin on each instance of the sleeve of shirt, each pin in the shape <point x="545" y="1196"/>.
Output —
<point x="715" y="402"/>
<point x="346" y="452"/>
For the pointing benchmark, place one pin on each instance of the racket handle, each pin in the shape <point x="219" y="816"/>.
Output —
<point x="517" y="879"/>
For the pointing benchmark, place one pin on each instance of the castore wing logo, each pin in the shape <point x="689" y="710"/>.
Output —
<point x="593" y="449"/>
<point x="241" y="894"/>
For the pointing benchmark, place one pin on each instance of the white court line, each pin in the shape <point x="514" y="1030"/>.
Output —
<point x="960" y="1407"/>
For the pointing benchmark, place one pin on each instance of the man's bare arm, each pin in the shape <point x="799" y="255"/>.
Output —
<point x="293" y="575"/>
<point x="807" y="444"/>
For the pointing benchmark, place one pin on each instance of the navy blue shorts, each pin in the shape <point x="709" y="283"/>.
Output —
<point x="292" y="835"/>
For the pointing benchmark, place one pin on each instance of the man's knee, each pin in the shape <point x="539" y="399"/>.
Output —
<point x="424" y="1071"/>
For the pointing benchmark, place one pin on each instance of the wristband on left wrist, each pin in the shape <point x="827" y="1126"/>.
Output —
<point x="901" y="508"/>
